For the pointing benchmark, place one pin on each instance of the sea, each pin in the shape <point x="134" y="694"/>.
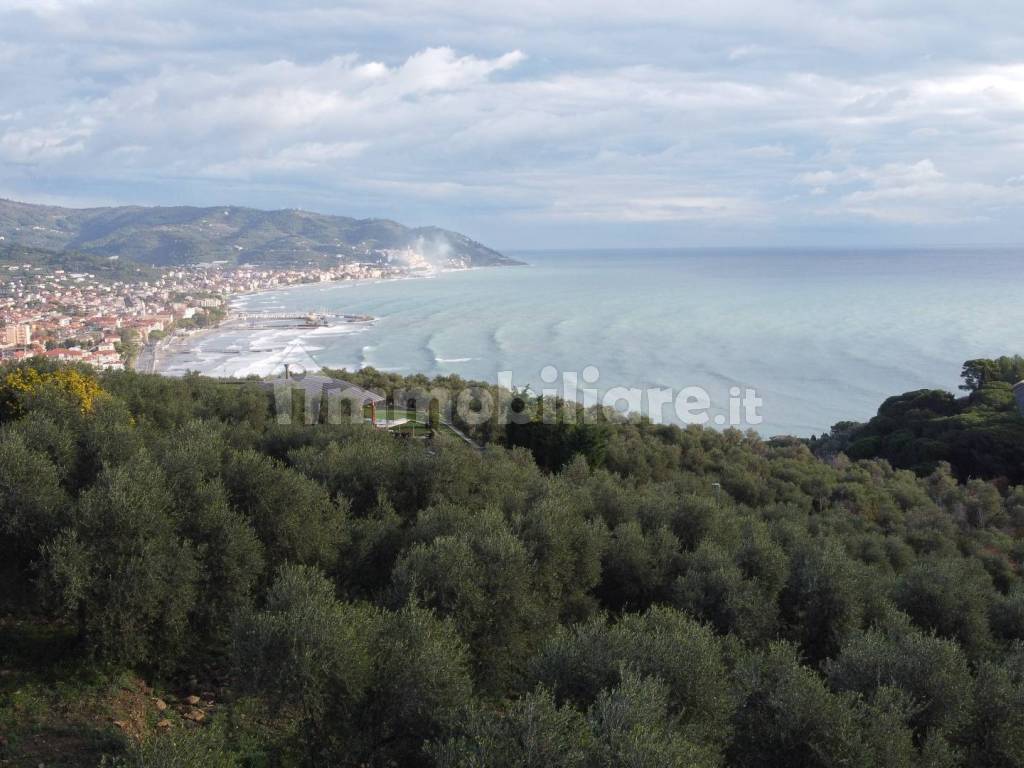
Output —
<point x="818" y="336"/>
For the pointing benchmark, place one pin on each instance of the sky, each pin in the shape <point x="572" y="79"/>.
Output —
<point x="528" y="124"/>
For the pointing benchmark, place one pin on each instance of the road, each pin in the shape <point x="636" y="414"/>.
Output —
<point x="146" y="360"/>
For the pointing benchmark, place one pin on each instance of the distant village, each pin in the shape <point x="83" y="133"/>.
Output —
<point x="80" y="317"/>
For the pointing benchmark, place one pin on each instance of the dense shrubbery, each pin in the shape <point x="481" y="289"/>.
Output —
<point x="686" y="597"/>
<point x="979" y="435"/>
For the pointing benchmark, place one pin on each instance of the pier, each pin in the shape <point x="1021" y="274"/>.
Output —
<point x="256" y="320"/>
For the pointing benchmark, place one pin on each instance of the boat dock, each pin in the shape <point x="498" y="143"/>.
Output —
<point x="258" y="320"/>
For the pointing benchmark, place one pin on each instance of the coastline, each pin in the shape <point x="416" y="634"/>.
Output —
<point x="231" y="298"/>
<point x="176" y="347"/>
<point x="653" y="320"/>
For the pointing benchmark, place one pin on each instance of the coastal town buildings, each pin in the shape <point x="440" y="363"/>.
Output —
<point x="89" y="318"/>
<point x="17" y="335"/>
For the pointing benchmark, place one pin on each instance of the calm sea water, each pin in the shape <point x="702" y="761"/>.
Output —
<point x="822" y="335"/>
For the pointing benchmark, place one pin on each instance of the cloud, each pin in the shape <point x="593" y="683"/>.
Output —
<point x="437" y="69"/>
<point x="748" y="51"/>
<point x="767" y="152"/>
<point x="917" y="193"/>
<point x="276" y="116"/>
<point x="44" y="8"/>
<point x="646" y="209"/>
<point x="892" y="175"/>
<point x="35" y="145"/>
<point x="296" y="158"/>
<point x="492" y="114"/>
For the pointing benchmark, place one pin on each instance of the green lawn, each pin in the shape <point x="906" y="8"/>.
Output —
<point x="398" y="413"/>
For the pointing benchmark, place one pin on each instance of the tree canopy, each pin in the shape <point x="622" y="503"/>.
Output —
<point x="642" y="596"/>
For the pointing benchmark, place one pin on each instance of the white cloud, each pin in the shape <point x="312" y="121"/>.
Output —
<point x="748" y="51"/>
<point x="304" y="157"/>
<point x="32" y="145"/>
<point x="648" y="209"/>
<point x="767" y="152"/>
<point x="437" y="69"/>
<point x="887" y="176"/>
<point x="570" y="112"/>
<point x="43" y="7"/>
<point x="915" y="193"/>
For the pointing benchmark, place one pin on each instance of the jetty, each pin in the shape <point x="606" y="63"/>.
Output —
<point x="257" y="320"/>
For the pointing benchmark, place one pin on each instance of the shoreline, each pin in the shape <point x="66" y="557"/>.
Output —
<point x="173" y="347"/>
<point x="228" y="300"/>
<point x="673" y="324"/>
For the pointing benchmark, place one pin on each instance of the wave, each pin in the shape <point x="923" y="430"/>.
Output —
<point x="667" y="322"/>
<point x="364" y="357"/>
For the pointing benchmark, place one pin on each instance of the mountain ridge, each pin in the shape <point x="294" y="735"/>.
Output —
<point x="175" y="235"/>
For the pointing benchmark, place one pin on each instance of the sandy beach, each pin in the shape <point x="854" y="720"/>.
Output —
<point x="234" y="349"/>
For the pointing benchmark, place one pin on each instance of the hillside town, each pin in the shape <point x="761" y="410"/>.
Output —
<point x="82" y="317"/>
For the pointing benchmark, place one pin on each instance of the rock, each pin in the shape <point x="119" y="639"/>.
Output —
<point x="160" y="705"/>
<point x="165" y="723"/>
<point x="195" y="715"/>
<point x="192" y="700"/>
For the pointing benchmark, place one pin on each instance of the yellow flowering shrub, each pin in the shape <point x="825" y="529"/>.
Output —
<point x="79" y="387"/>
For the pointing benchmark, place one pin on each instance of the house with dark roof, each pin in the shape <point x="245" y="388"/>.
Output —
<point x="342" y="399"/>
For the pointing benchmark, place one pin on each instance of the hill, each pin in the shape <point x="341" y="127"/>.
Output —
<point x="184" y="235"/>
<point x="103" y="268"/>
<point x="980" y="434"/>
